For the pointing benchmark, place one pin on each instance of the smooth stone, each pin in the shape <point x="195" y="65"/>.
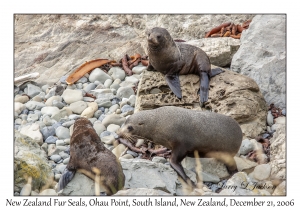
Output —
<point x="107" y="83"/>
<point x="33" y="90"/>
<point x="92" y="120"/>
<point x="262" y="158"/>
<point x="113" y="108"/>
<point x="244" y="164"/>
<point x="21" y="99"/>
<point x="69" y="123"/>
<point x="113" y="119"/>
<point x="67" y="141"/>
<point x="63" y="79"/>
<point x="71" y="96"/>
<point x="98" y="74"/>
<point x="113" y="128"/>
<point x="45" y="147"/>
<point x="270" y="118"/>
<point x="62" y="132"/>
<point x="118" y="150"/>
<point x="139" y="142"/>
<point x="62" y="114"/>
<point x="60" y="143"/>
<point x="48" y="192"/>
<point x="71" y="87"/>
<point x="132" y="79"/>
<point x="125" y="92"/>
<point x="79" y="86"/>
<point x="32" y="105"/>
<point x="90" y="110"/>
<point x="88" y="99"/>
<point x="283" y="111"/>
<point x="280" y="120"/>
<point x="19" y="107"/>
<point x="74" y="116"/>
<point x="64" y="155"/>
<point x="71" y="129"/>
<point x="33" y="131"/>
<point x="89" y="87"/>
<point x="55" y="158"/>
<point x="32" y="117"/>
<point x="96" y="82"/>
<point x="50" y="110"/>
<point x="126" y="156"/>
<point x="127" y="84"/>
<point x="18" y="121"/>
<point x="45" y="87"/>
<point x="114" y="86"/>
<point x="108" y="139"/>
<point x="82" y="80"/>
<point x="97" y="114"/>
<point x="138" y="69"/>
<point x="100" y="85"/>
<point x="50" y="100"/>
<point x="51" y="140"/>
<point x="26" y="190"/>
<point x="37" y="98"/>
<point x="131" y="100"/>
<point x="262" y="172"/>
<point x="78" y="107"/>
<point x="105" y="104"/>
<point x="66" y="161"/>
<point x="117" y="73"/>
<point x="105" y="133"/>
<point x="246" y="147"/>
<point x="48" y="131"/>
<point x="50" y="93"/>
<point x="127" y="108"/>
<point x="58" y="104"/>
<point x="158" y="159"/>
<point x="25" y="111"/>
<point x="99" y="127"/>
<point x="56" y="125"/>
<point x="57" y="177"/>
<point x="42" y="95"/>
<point x="256" y="145"/>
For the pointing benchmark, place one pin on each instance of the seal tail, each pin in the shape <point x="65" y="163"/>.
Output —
<point x="204" y="87"/>
<point x="65" y="178"/>
<point x="215" y="72"/>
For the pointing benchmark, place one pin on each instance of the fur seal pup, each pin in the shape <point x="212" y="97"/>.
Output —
<point x="184" y="131"/>
<point x="86" y="152"/>
<point x="174" y="59"/>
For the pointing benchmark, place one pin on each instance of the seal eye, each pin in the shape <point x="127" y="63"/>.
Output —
<point x="130" y="128"/>
<point x="159" y="36"/>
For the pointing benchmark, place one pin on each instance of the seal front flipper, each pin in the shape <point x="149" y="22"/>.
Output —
<point x="204" y="87"/>
<point x="215" y="72"/>
<point x="65" y="178"/>
<point x="174" y="84"/>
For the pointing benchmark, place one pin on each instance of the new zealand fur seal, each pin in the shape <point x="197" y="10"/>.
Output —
<point x="174" y="59"/>
<point x="185" y="131"/>
<point x="86" y="152"/>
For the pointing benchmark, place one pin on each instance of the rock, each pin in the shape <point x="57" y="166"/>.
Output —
<point x="108" y="82"/>
<point x="62" y="132"/>
<point x="141" y="192"/>
<point x="71" y="96"/>
<point x="125" y="92"/>
<point x="55" y="150"/>
<point x="33" y="90"/>
<point x="21" y="99"/>
<point x="99" y="127"/>
<point x="127" y="108"/>
<point x="126" y="156"/>
<point x="68" y="124"/>
<point x="117" y="73"/>
<point x="97" y="114"/>
<point x="26" y="190"/>
<point x="32" y="105"/>
<point x="280" y="189"/>
<point x="51" y="111"/>
<point x="270" y="118"/>
<point x="55" y="158"/>
<point x="79" y="185"/>
<point x="113" y="128"/>
<point x="138" y="69"/>
<point x="231" y="94"/>
<point x="60" y="143"/>
<point x="105" y="104"/>
<point x="244" y="164"/>
<point x="262" y="172"/>
<point x="158" y="159"/>
<point x="206" y="177"/>
<point x="113" y="119"/>
<point x="132" y="100"/>
<point x="33" y="131"/>
<point x="113" y="108"/>
<point x="118" y="150"/>
<point x="19" y="107"/>
<point x="90" y="110"/>
<point x="50" y="100"/>
<point x="51" y="140"/>
<point x="89" y="87"/>
<point x="246" y="147"/>
<point x="66" y="161"/>
<point x="82" y="80"/>
<point x="280" y="120"/>
<point x="32" y="117"/>
<point x="30" y="160"/>
<point x="278" y="154"/>
<point x="132" y="79"/>
<point x="58" y="104"/>
<point x="78" y="107"/>
<point x="98" y="75"/>
<point x="208" y="165"/>
<point x="48" y="192"/>
<point x="61" y="114"/>
<point x="262" y="56"/>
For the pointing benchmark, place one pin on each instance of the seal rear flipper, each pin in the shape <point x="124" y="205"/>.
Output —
<point x="215" y="72"/>
<point x="204" y="87"/>
<point x="174" y="84"/>
<point x="65" y="178"/>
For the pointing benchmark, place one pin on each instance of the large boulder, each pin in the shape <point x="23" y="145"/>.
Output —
<point x="262" y="56"/>
<point x="230" y="93"/>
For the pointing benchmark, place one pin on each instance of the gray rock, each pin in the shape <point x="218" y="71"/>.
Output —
<point x="50" y="93"/>
<point x="138" y="69"/>
<point x="127" y="108"/>
<point x="32" y="105"/>
<point x="32" y="131"/>
<point x="117" y="73"/>
<point x="33" y="90"/>
<point x="113" y="119"/>
<point x="71" y="96"/>
<point x="97" y="114"/>
<point x="74" y="116"/>
<point x="270" y="118"/>
<point x="55" y="158"/>
<point x="26" y="190"/>
<point x="262" y="172"/>
<point x="21" y="99"/>
<point x="108" y="82"/>
<point x="110" y="139"/>
<point x="63" y="79"/>
<point x="89" y="87"/>
<point x="50" y="110"/>
<point x="206" y="177"/>
<point x="88" y="99"/>
<point x="157" y="159"/>
<point x="62" y="132"/>
<point x="246" y="147"/>
<point x="131" y="100"/>
<point x="51" y="140"/>
<point x="61" y="114"/>
<point x="82" y="80"/>
<point x="262" y="56"/>
<point x="125" y="92"/>
<point x="48" y="192"/>
<point x="60" y="143"/>
<point x="79" y="185"/>
<point x="48" y="131"/>
<point x="45" y="87"/>
<point x="19" y="107"/>
<point x="99" y="127"/>
<point x="66" y="161"/>
<point x="113" y="108"/>
<point x="50" y="100"/>
<point x="55" y="150"/>
<point x="98" y="74"/>
<point x="64" y="155"/>
<point x="132" y="79"/>
<point x="69" y="123"/>
<point x="105" y="104"/>
<point x="113" y="128"/>
<point x="243" y="163"/>
<point x="32" y="117"/>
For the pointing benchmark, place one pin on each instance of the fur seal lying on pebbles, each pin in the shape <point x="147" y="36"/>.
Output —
<point x="86" y="152"/>
<point x="174" y="59"/>
<point x="184" y="131"/>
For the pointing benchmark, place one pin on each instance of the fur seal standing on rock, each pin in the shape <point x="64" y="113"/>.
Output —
<point x="86" y="152"/>
<point x="184" y="131"/>
<point x="174" y="59"/>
